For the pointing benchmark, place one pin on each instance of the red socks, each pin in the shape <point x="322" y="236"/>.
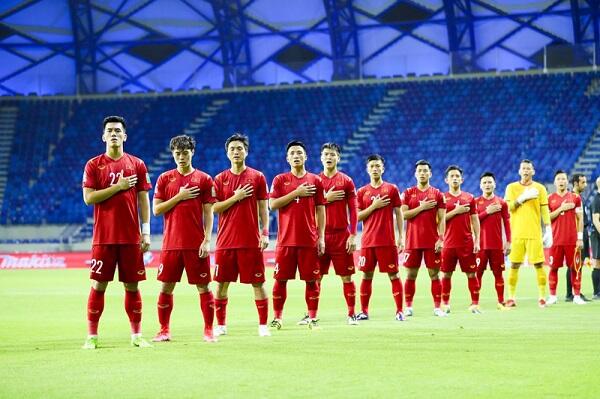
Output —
<point x="499" y="283"/>
<point x="279" y="297"/>
<point x="164" y="306"/>
<point x="262" y="306"/>
<point x="409" y="291"/>
<point x="207" y="305"/>
<point x="366" y="287"/>
<point x="95" y="306"/>
<point x="473" y="289"/>
<point x="436" y="292"/>
<point x="133" y="307"/>
<point x="553" y="280"/>
<point x="311" y="295"/>
<point x="446" y="288"/>
<point x="350" y="295"/>
<point x="221" y="311"/>
<point x="576" y="281"/>
<point x="397" y="293"/>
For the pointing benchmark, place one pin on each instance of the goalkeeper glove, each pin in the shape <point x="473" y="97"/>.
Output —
<point x="547" y="238"/>
<point x="529" y="193"/>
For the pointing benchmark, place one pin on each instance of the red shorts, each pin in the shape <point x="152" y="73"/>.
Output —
<point x="172" y="263"/>
<point x="562" y="254"/>
<point x="248" y="263"/>
<point x="385" y="257"/>
<point x="128" y="257"/>
<point x="463" y="255"/>
<point x="495" y="257"/>
<point x="290" y="259"/>
<point x="412" y="258"/>
<point x="335" y="251"/>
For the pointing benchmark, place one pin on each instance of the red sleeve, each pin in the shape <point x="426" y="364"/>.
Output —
<point x="506" y="220"/>
<point x="360" y="202"/>
<point x="353" y="213"/>
<point x="276" y="188"/>
<point x="320" y="195"/>
<point x="482" y="215"/>
<point x="89" y="177"/>
<point x="158" y="190"/>
<point x="208" y="191"/>
<point x="219" y="188"/>
<point x="261" y="191"/>
<point x="577" y="201"/>
<point x="472" y="207"/>
<point x="396" y="202"/>
<point x="143" y="183"/>
<point x="350" y="189"/>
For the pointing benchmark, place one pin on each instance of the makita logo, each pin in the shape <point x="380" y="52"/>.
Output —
<point x="31" y="261"/>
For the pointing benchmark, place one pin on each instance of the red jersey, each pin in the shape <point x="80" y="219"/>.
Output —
<point x="421" y="230"/>
<point x="238" y="225"/>
<point x="296" y="224"/>
<point x="458" y="228"/>
<point x="490" y="226"/>
<point x="564" y="226"/>
<point x="378" y="228"/>
<point x="116" y="218"/>
<point x="338" y="212"/>
<point x="184" y="223"/>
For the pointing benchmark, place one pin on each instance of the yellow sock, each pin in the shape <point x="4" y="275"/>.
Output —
<point x="513" y="278"/>
<point x="541" y="281"/>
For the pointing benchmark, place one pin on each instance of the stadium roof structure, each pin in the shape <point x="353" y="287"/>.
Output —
<point x="113" y="46"/>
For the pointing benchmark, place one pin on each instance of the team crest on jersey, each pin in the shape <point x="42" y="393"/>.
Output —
<point x="129" y="167"/>
<point x="203" y="275"/>
<point x="226" y="182"/>
<point x="286" y="183"/>
<point x="101" y="166"/>
<point x="195" y="180"/>
<point x="172" y="178"/>
<point x="141" y="272"/>
<point x="258" y="275"/>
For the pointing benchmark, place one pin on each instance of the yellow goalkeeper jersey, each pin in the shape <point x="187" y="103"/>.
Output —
<point x="525" y="220"/>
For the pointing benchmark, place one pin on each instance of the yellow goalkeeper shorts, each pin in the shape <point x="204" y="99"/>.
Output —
<point x="522" y="247"/>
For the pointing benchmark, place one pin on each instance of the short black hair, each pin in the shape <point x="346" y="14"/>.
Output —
<point x="238" y="137"/>
<point x="560" y="171"/>
<point x="487" y="174"/>
<point x="375" y="157"/>
<point x="453" y="167"/>
<point x="526" y="161"/>
<point x="422" y="162"/>
<point x="332" y="146"/>
<point x="114" y="119"/>
<point x="295" y="143"/>
<point x="182" y="142"/>
<point x="576" y="177"/>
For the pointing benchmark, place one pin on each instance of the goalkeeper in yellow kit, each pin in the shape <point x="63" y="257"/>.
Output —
<point x="528" y="205"/>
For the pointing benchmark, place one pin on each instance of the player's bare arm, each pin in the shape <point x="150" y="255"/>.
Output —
<point x="144" y="207"/>
<point x="441" y="229"/>
<point x="239" y="194"/>
<point x="91" y="196"/>
<point x="207" y="217"/>
<point x="263" y="215"/>
<point x="400" y="226"/>
<point x="378" y="202"/>
<point x="185" y="193"/>
<point x="321" y="227"/>
<point x="423" y="206"/>
<point x="303" y="190"/>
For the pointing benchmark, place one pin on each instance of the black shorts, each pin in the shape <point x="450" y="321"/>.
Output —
<point x="595" y="245"/>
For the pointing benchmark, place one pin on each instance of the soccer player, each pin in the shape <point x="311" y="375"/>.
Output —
<point x="461" y="239"/>
<point x="185" y="197"/>
<point x="340" y="227"/>
<point x="493" y="218"/>
<point x="241" y="202"/>
<point x="595" y="240"/>
<point x="528" y="205"/>
<point x="117" y="184"/>
<point x="567" y="236"/>
<point x="579" y="182"/>
<point x="424" y="209"/>
<point x="299" y="198"/>
<point x="378" y="203"/>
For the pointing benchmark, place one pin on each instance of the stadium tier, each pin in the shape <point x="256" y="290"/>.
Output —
<point x="482" y="123"/>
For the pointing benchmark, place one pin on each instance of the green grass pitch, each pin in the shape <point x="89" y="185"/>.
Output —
<point x="523" y="353"/>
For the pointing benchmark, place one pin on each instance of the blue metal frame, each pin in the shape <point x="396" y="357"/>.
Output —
<point x="586" y="20"/>
<point x="85" y="46"/>
<point x="235" y="49"/>
<point x="461" y="35"/>
<point x="344" y="41"/>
